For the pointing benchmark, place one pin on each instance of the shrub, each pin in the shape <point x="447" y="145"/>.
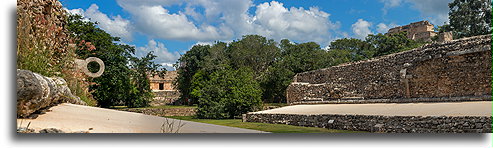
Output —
<point x="227" y="94"/>
<point x="43" y="47"/>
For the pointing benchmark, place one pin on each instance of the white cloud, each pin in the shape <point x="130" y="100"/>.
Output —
<point x="116" y="25"/>
<point x="226" y="19"/>
<point x="384" y="28"/>
<point x="276" y="21"/>
<point x="390" y="4"/>
<point x="361" y="28"/>
<point x="78" y="11"/>
<point x="164" y="57"/>
<point x="436" y="11"/>
<point x="153" y="19"/>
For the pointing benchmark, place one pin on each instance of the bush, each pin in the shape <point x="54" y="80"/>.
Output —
<point x="43" y="47"/>
<point x="227" y="94"/>
<point x="124" y="81"/>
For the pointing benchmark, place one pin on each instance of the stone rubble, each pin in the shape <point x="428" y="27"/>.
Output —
<point x="459" y="70"/>
<point x="36" y="92"/>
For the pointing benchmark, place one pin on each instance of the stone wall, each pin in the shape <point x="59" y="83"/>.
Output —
<point x="166" y="82"/>
<point x="162" y="112"/>
<point x="458" y="70"/>
<point x="422" y="30"/>
<point x="384" y="124"/>
<point x="165" y="98"/>
<point x="164" y="90"/>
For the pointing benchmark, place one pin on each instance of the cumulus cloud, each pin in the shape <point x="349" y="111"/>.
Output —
<point x="116" y="25"/>
<point x="384" y="28"/>
<point x="164" y="57"/>
<point x="78" y="11"/>
<point x="158" y="22"/>
<point x="226" y="19"/>
<point x="361" y="28"/>
<point x="436" y="11"/>
<point x="390" y="4"/>
<point x="276" y="21"/>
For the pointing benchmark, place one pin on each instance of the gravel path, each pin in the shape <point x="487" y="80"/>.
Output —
<point x="480" y="108"/>
<point x="75" y="118"/>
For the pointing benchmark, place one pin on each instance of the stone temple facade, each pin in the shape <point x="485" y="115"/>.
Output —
<point x="163" y="89"/>
<point x="451" y="71"/>
<point x="422" y="31"/>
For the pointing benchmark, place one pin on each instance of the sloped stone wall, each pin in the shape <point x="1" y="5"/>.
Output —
<point x="383" y="124"/>
<point x="459" y="70"/>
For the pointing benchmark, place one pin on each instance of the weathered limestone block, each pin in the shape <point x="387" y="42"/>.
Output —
<point x="165" y="97"/>
<point x="379" y="123"/>
<point x="458" y="70"/>
<point x="35" y="92"/>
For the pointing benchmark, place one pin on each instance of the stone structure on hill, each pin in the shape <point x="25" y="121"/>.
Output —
<point x="36" y="92"/>
<point x="458" y="70"/>
<point x="422" y="31"/>
<point x="163" y="89"/>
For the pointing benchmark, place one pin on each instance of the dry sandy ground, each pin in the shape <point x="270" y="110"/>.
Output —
<point x="481" y="108"/>
<point x="74" y="118"/>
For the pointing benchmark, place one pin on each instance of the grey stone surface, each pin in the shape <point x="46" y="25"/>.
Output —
<point x="165" y="97"/>
<point x="82" y="66"/>
<point x="51" y="130"/>
<point x="379" y="123"/>
<point x="35" y="92"/>
<point x="458" y="70"/>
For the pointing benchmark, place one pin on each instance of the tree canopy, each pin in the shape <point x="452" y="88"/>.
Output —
<point x="469" y="18"/>
<point x="124" y="81"/>
<point x="255" y="68"/>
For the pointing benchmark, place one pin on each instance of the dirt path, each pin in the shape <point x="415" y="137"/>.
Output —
<point x="481" y="108"/>
<point x="74" y="118"/>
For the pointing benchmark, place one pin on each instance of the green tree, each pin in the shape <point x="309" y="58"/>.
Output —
<point x="228" y="94"/>
<point x="255" y="52"/>
<point x="470" y="17"/>
<point x="187" y="65"/>
<point x="357" y="48"/>
<point x="339" y="56"/>
<point x="294" y="58"/>
<point x="388" y="44"/>
<point x="119" y="84"/>
<point x="142" y="68"/>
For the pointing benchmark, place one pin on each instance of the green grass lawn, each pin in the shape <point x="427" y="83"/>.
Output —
<point x="172" y="106"/>
<point x="276" y="104"/>
<point x="274" y="128"/>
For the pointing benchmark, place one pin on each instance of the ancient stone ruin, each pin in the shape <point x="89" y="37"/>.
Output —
<point x="422" y="31"/>
<point x="164" y="89"/>
<point x="36" y="92"/>
<point x="458" y="70"/>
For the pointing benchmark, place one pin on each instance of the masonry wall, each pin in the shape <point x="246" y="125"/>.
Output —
<point x="458" y="70"/>
<point x="165" y="97"/>
<point x="168" y="94"/>
<point x="384" y="124"/>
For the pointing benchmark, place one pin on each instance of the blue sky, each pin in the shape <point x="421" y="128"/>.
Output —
<point x="171" y="27"/>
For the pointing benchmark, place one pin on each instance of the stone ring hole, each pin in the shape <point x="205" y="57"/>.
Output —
<point x="83" y="66"/>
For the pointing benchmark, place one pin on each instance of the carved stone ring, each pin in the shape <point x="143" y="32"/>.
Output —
<point x="82" y="65"/>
